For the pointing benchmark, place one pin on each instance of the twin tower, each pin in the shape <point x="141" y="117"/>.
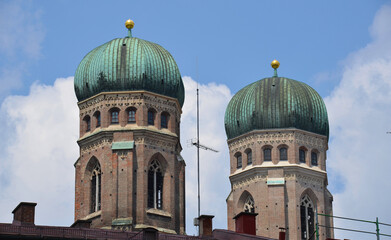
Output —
<point x="130" y="174"/>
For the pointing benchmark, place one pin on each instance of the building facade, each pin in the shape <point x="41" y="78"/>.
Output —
<point x="130" y="174"/>
<point x="277" y="131"/>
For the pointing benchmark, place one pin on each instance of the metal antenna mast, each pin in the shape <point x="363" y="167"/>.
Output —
<point x="198" y="145"/>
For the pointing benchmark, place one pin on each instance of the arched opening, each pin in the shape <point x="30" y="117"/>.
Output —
<point x="164" y="118"/>
<point x="87" y="123"/>
<point x="249" y="154"/>
<point x="238" y="157"/>
<point x="307" y="218"/>
<point x="314" y="158"/>
<point x="246" y="202"/>
<point x="283" y="153"/>
<point x="97" y="119"/>
<point x="94" y="173"/>
<point x="151" y="116"/>
<point x="132" y="115"/>
<point x="114" y="116"/>
<point x="267" y="153"/>
<point x="302" y="154"/>
<point x="155" y="185"/>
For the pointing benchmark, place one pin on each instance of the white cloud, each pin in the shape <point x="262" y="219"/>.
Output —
<point x="41" y="133"/>
<point x="359" y="111"/>
<point x="214" y="167"/>
<point x="40" y="149"/>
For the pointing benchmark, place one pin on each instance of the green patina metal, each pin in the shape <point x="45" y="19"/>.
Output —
<point x="126" y="64"/>
<point x="126" y="145"/>
<point x="276" y="102"/>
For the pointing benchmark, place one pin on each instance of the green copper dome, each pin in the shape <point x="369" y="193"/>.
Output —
<point x="125" y="64"/>
<point x="273" y="103"/>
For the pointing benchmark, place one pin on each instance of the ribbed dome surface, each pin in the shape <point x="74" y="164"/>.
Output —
<point x="128" y="64"/>
<point x="273" y="103"/>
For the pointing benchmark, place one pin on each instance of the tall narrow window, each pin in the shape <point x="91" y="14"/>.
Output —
<point x="114" y="116"/>
<point x="151" y="117"/>
<point x="307" y="218"/>
<point x="267" y="154"/>
<point x="238" y="160"/>
<point x="96" y="179"/>
<point x="164" y="120"/>
<point x="97" y="117"/>
<point x="155" y="185"/>
<point x="132" y="116"/>
<point x="249" y="157"/>
<point x="88" y="123"/>
<point x="249" y="205"/>
<point x="314" y="159"/>
<point x="302" y="155"/>
<point x="283" y="154"/>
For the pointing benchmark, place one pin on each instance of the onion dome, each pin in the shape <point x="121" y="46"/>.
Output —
<point x="276" y="103"/>
<point x="127" y="64"/>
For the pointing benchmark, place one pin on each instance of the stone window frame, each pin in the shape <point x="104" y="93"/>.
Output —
<point x="166" y="115"/>
<point x="114" y="115"/>
<point x="249" y="155"/>
<point x="87" y="123"/>
<point x="97" y="118"/>
<point x="155" y="184"/>
<point x="314" y="157"/>
<point x="280" y="148"/>
<point x="131" y="114"/>
<point x="264" y="148"/>
<point x="151" y="116"/>
<point x="304" y="150"/>
<point x="307" y="217"/>
<point x="239" y="160"/>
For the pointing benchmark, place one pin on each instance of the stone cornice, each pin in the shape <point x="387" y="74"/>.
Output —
<point x="278" y="136"/>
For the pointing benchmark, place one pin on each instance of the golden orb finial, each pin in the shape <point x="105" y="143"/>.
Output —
<point x="129" y="24"/>
<point x="275" y="64"/>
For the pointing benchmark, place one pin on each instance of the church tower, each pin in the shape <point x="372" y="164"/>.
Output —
<point x="130" y="174"/>
<point x="277" y="130"/>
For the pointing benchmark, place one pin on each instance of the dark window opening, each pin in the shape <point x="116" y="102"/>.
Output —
<point x="314" y="159"/>
<point x="155" y="185"/>
<point x="267" y="154"/>
<point x="164" y="122"/>
<point x="307" y="220"/>
<point x="239" y="161"/>
<point x="301" y="156"/>
<point x="88" y="123"/>
<point x="283" y="154"/>
<point x="132" y="116"/>
<point x="249" y="157"/>
<point x="96" y="187"/>
<point x="151" y="117"/>
<point x="114" y="117"/>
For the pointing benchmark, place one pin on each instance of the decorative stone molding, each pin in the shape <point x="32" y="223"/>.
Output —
<point x="253" y="179"/>
<point x="95" y="145"/>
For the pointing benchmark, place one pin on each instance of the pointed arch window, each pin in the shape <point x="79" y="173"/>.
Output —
<point x="87" y="120"/>
<point x="96" y="179"/>
<point x="155" y="185"/>
<point x="249" y="205"/>
<point x="97" y="117"/>
<point x="307" y="218"/>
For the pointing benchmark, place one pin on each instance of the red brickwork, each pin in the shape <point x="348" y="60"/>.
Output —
<point x="278" y="204"/>
<point x="125" y="172"/>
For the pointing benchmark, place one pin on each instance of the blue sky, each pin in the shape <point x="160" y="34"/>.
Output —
<point x="340" y="48"/>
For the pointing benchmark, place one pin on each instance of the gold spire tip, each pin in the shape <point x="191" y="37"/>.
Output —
<point x="129" y="24"/>
<point x="275" y="64"/>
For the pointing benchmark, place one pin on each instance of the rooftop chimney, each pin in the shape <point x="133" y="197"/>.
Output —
<point x="245" y="223"/>
<point x="205" y="225"/>
<point x="24" y="213"/>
